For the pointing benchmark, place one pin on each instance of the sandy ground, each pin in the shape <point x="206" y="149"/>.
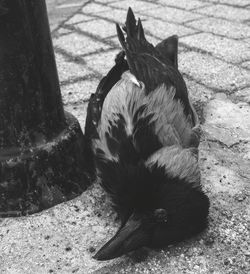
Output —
<point x="215" y="60"/>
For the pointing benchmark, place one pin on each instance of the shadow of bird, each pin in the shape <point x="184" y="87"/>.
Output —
<point x="144" y="135"/>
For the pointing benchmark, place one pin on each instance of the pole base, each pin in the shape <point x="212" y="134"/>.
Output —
<point x="43" y="176"/>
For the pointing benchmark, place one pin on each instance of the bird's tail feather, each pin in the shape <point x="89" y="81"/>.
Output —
<point x="135" y="41"/>
<point x="140" y="54"/>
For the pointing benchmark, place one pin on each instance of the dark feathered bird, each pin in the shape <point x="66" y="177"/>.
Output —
<point x="145" y="134"/>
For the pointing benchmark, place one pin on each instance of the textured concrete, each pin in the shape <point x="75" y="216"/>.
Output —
<point x="60" y="10"/>
<point x="221" y="27"/>
<point x="228" y="12"/>
<point x="64" y="238"/>
<point x="221" y="47"/>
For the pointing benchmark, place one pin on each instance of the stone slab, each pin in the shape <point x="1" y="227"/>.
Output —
<point x="99" y="27"/>
<point x="79" y="18"/>
<point x="197" y="92"/>
<point x="77" y="44"/>
<point x="232" y="2"/>
<point x="246" y="64"/>
<point x="227" y="12"/>
<point x="214" y="73"/>
<point x="60" y="10"/>
<point x="68" y="70"/>
<point x="164" y="29"/>
<point x="228" y="122"/>
<point x="242" y="95"/>
<point x="64" y="238"/>
<point x="224" y="48"/>
<point x="172" y="14"/>
<point x="183" y="4"/>
<point x="221" y="27"/>
<point x="102" y="62"/>
<point x="93" y="8"/>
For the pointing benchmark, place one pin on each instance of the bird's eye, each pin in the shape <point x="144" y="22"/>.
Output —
<point x="161" y="215"/>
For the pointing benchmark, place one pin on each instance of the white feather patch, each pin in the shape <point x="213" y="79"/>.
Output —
<point x="130" y="77"/>
<point x="178" y="162"/>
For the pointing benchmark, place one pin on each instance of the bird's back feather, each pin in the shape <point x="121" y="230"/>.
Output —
<point x="144" y="114"/>
<point x="153" y="65"/>
<point x="149" y="121"/>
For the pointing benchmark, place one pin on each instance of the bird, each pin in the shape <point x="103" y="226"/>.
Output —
<point x="144" y="134"/>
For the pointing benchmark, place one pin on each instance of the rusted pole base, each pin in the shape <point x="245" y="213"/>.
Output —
<point x="42" y="176"/>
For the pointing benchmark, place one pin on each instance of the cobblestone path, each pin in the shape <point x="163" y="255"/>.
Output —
<point x="214" y="57"/>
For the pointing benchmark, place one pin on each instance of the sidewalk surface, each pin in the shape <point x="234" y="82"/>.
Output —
<point x="214" y="56"/>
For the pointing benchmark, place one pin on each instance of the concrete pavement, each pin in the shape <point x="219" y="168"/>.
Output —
<point x="60" y="10"/>
<point x="215" y="59"/>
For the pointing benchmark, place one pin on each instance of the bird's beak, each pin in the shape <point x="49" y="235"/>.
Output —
<point x="129" y="237"/>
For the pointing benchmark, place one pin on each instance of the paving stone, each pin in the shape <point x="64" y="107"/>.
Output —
<point x="183" y="4"/>
<point x="102" y="62"/>
<point x="197" y="92"/>
<point x="63" y="239"/>
<point x="228" y="122"/>
<point x="172" y="14"/>
<point x="59" y="238"/>
<point x="68" y="70"/>
<point x="212" y="72"/>
<point x="247" y="40"/>
<point x="224" y="180"/>
<point x="79" y="17"/>
<point x="247" y="22"/>
<point x="221" y="27"/>
<point x="227" y="49"/>
<point x="135" y="5"/>
<point x="105" y="1"/>
<point x="242" y="95"/>
<point x="164" y="29"/>
<point x="93" y="8"/>
<point x="69" y="5"/>
<point x="62" y="31"/>
<point x="76" y="44"/>
<point x="227" y="12"/>
<point x="58" y="11"/>
<point x="246" y="64"/>
<point x="119" y="16"/>
<point x="78" y="92"/>
<point x="99" y="27"/>
<point x="232" y="2"/>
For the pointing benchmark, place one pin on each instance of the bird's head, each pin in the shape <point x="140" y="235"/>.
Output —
<point x="160" y="214"/>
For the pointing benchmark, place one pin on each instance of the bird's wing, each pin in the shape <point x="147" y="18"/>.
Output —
<point x="95" y="108"/>
<point x="134" y="125"/>
<point x="96" y="100"/>
<point x="166" y="121"/>
<point x="115" y="126"/>
<point x="153" y="65"/>
<point x="178" y="163"/>
<point x="168" y="50"/>
<point x="126" y="132"/>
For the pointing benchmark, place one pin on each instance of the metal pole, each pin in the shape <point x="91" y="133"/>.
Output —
<point x="41" y="147"/>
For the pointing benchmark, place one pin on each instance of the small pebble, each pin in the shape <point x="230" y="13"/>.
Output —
<point x="240" y="198"/>
<point x="92" y="249"/>
<point x="209" y="240"/>
<point x="227" y="261"/>
<point x="68" y="248"/>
